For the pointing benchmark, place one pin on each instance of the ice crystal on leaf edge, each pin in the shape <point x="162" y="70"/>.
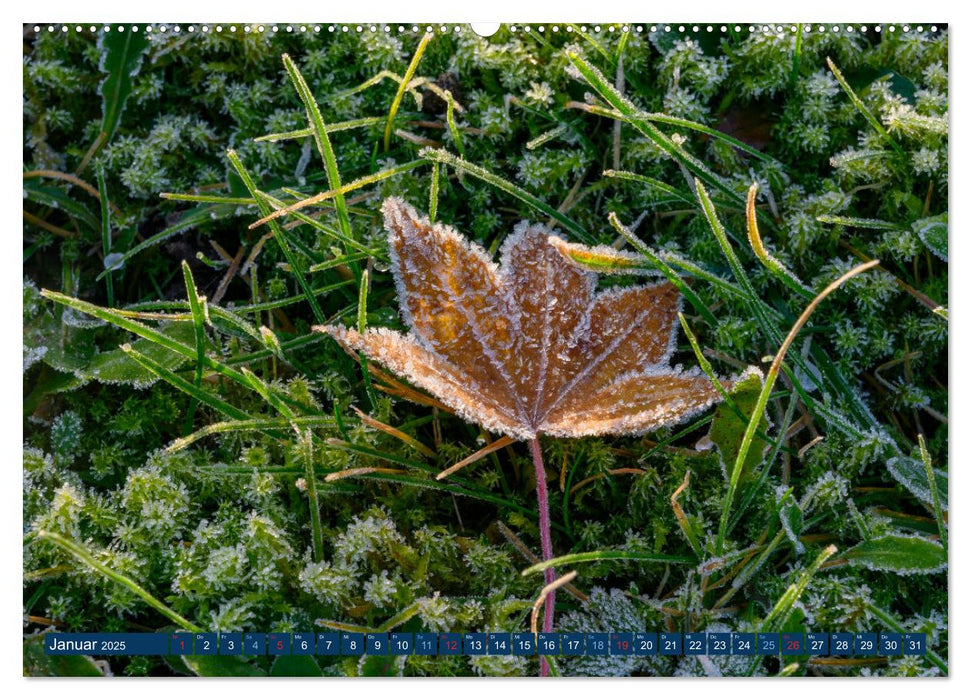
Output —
<point x="527" y="347"/>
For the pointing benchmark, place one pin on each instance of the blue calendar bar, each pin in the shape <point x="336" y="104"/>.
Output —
<point x="860" y="644"/>
<point x="69" y="644"/>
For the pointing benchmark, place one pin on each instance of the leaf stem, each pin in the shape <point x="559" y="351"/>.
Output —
<point x="546" y="542"/>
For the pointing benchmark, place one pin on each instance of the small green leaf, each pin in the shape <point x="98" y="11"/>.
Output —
<point x="790" y="515"/>
<point x="913" y="476"/>
<point x="117" y="367"/>
<point x="933" y="232"/>
<point x="222" y="666"/>
<point x="899" y="554"/>
<point x="380" y="666"/>
<point x="38" y="664"/>
<point x="60" y="198"/>
<point x="295" y="667"/>
<point x="728" y="428"/>
<point x="121" y="58"/>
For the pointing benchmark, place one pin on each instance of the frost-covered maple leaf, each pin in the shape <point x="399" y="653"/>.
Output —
<point x="527" y="347"/>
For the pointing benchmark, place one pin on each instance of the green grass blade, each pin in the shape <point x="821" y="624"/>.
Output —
<point x="193" y="218"/>
<point x="345" y="189"/>
<point x="280" y="236"/>
<point x="361" y="326"/>
<point x="316" y="120"/>
<point x="713" y="133"/>
<point x="636" y="118"/>
<point x="756" y="488"/>
<point x="389" y="457"/>
<point x="597" y="46"/>
<point x="199" y="326"/>
<point x="441" y="156"/>
<point x="85" y="556"/>
<point x="752" y="298"/>
<point x="867" y="114"/>
<point x="207" y="198"/>
<point x="722" y="237"/>
<point x="305" y="449"/>
<point x="156" y="336"/>
<point x="249" y="424"/>
<point x="260" y="387"/>
<point x="329" y="128"/>
<point x="122" y="54"/>
<point x="932" y="485"/>
<point x="608" y="555"/>
<point x="546" y="137"/>
<point x="452" y="125"/>
<point x="796" y="56"/>
<point x="320" y="226"/>
<point x="402" y="86"/>
<point x="671" y="275"/>
<point x="780" y="611"/>
<point x="286" y="301"/>
<point x="197" y="393"/>
<point x="105" y="231"/>
<point x="336" y="262"/>
<point x="293" y="343"/>
<point x="59" y="198"/>
<point x="705" y="364"/>
<point x="652" y="183"/>
<point x="857" y="222"/>
<point x="433" y="193"/>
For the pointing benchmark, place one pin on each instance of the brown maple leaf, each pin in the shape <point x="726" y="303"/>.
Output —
<point x="527" y="347"/>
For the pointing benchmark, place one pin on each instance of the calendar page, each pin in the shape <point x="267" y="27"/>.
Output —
<point x="464" y="350"/>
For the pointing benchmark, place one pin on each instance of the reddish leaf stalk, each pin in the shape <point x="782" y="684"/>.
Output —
<point x="546" y="542"/>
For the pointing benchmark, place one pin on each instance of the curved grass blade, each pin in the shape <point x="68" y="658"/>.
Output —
<point x="83" y="555"/>
<point x="763" y="399"/>
<point x="316" y="120"/>
<point x="867" y="114"/>
<point x="402" y="86"/>
<point x="755" y="240"/>
<point x="608" y="555"/>
<point x="192" y="218"/>
<point x="251" y="424"/>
